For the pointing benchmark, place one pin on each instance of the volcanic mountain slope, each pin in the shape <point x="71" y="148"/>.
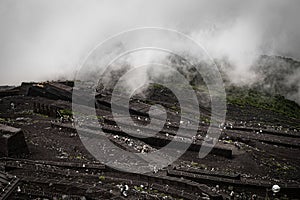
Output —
<point x="258" y="147"/>
<point x="281" y="75"/>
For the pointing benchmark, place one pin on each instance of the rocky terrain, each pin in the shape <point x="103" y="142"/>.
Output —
<point x="258" y="147"/>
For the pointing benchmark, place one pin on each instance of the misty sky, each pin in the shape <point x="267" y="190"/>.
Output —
<point x="42" y="40"/>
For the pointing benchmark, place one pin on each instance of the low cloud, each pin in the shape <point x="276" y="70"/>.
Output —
<point x="49" y="39"/>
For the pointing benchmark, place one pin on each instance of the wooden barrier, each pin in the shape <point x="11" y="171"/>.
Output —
<point x="12" y="141"/>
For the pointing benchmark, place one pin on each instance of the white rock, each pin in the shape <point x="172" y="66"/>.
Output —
<point x="275" y="188"/>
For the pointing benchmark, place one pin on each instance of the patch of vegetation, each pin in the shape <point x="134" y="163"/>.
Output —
<point x="157" y="86"/>
<point x="280" y="168"/>
<point x="175" y="108"/>
<point x="205" y="119"/>
<point x="138" y="188"/>
<point x="99" y="117"/>
<point x="102" y="178"/>
<point x="26" y="112"/>
<point x="198" y="165"/>
<point x="41" y="115"/>
<point x="249" y="97"/>
<point x="66" y="112"/>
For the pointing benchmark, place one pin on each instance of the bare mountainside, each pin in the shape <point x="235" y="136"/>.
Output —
<point x="258" y="147"/>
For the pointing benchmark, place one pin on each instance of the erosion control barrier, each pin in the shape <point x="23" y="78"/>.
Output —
<point x="12" y="141"/>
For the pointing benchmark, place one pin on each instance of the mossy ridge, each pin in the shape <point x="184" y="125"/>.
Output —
<point x="277" y="103"/>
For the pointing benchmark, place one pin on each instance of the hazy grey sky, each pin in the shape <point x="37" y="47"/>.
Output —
<point x="47" y="39"/>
